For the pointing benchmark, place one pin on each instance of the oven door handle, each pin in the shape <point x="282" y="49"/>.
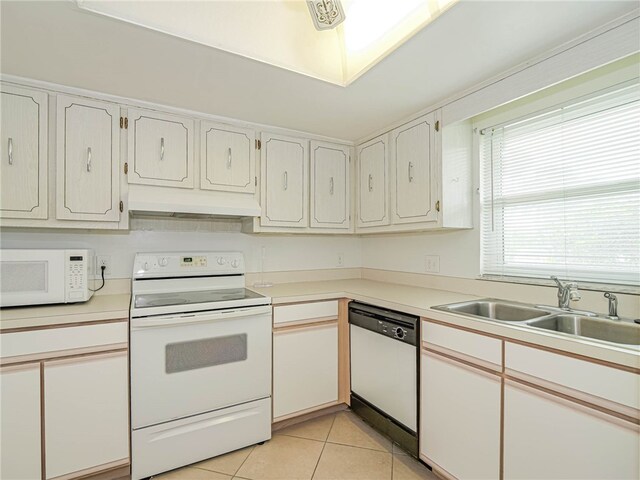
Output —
<point x="186" y="319"/>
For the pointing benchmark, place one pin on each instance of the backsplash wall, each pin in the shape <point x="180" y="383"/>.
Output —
<point x="283" y="252"/>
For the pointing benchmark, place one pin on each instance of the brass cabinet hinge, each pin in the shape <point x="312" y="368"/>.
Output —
<point x="124" y="122"/>
<point x="126" y="168"/>
<point x="437" y="125"/>
<point x="121" y="206"/>
<point x="438" y="206"/>
<point x="256" y="181"/>
<point x="258" y="144"/>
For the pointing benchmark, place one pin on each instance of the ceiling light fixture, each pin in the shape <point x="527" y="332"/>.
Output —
<point x="326" y="14"/>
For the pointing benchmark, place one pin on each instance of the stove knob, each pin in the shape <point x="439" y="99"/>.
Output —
<point x="145" y="266"/>
<point x="399" y="332"/>
<point x="235" y="263"/>
<point x="222" y="260"/>
<point x="163" y="261"/>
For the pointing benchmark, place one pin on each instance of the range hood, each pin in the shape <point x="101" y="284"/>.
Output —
<point x="177" y="202"/>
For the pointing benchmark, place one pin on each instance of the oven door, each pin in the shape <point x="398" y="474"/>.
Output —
<point x="188" y="364"/>
<point x="32" y="277"/>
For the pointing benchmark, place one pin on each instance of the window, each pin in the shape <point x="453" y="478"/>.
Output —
<point x="561" y="192"/>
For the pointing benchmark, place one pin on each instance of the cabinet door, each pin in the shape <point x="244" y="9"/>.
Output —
<point x="86" y="413"/>
<point x="329" y="185"/>
<point x="227" y="158"/>
<point x="414" y="159"/>
<point x="460" y="418"/>
<point x="88" y="160"/>
<point x="23" y="153"/>
<point x="160" y="149"/>
<point x="305" y="368"/>
<point x="284" y="186"/>
<point x="373" y="196"/>
<point x="20" y="417"/>
<point x="547" y="437"/>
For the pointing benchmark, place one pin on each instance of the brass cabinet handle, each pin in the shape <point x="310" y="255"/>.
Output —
<point x="285" y="180"/>
<point x="370" y="183"/>
<point x="162" y="148"/>
<point x="229" y="158"/>
<point x="331" y="186"/>
<point x="410" y="169"/>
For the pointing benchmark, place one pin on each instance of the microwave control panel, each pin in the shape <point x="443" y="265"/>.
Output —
<point x="76" y="276"/>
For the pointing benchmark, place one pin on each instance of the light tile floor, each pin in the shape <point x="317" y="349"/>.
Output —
<point x="338" y="446"/>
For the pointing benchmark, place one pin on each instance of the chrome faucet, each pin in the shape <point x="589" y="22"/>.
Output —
<point x="566" y="292"/>
<point x="613" y="306"/>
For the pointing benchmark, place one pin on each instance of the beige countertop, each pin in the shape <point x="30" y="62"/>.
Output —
<point x="418" y="301"/>
<point x="99" y="307"/>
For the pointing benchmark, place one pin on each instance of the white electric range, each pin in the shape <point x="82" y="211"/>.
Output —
<point x="200" y="348"/>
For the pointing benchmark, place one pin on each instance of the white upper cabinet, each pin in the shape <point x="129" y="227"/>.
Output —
<point x="160" y="149"/>
<point x="23" y="153"/>
<point x="414" y="180"/>
<point x="88" y="160"/>
<point x="373" y="161"/>
<point x="329" y="185"/>
<point x="227" y="158"/>
<point x="284" y="185"/>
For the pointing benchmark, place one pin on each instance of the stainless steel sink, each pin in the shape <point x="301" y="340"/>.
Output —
<point x="614" y="331"/>
<point x="491" y="309"/>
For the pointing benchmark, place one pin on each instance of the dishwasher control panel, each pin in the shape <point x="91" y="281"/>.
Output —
<point x="392" y="324"/>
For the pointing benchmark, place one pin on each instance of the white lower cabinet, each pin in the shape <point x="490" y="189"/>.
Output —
<point x="86" y="413"/>
<point x="20" y="419"/>
<point x="547" y="437"/>
<point x="305" y="368"/>
<point x="460" y="418"/>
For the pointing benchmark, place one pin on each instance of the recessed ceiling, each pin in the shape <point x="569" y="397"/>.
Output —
<point x="281" y="32"/>
<point x="472" y="41"/>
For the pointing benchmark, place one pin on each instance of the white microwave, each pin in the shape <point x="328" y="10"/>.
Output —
<point x="37" y="277"/>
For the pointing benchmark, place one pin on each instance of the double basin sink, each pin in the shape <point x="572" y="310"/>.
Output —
<point x="583" y="324"/>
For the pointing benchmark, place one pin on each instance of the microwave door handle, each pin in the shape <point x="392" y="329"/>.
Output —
<point x="210" y="317"/>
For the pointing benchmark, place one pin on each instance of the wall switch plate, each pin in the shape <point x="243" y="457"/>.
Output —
<point x="432" y="263"/>
<point x="103" y="260"/>
<point x="341" y="259"/>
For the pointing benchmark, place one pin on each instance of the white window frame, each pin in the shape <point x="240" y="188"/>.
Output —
<point x="521" y="109"/>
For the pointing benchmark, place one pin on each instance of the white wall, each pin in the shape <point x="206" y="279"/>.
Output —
<point x="283" y="253"/>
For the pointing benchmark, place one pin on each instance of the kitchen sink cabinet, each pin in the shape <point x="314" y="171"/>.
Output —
<point x="459" y="417"/>
<point x="23" y="156"/>
<point x="20" y="418"/>
<point x="87" y="160"/>
<point x="227" y="158"/>
<point x="160" y="149"/>
<point x="549" y="437"/>
<point x="86" y="413"/>
<point x="305" y="369"/>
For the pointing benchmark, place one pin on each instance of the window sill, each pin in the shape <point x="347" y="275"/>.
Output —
<point x="596" y="287"/>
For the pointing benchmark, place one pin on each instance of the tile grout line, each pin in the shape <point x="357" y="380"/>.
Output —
<point x="243" y="462"/>
<point x="323" y="445"/>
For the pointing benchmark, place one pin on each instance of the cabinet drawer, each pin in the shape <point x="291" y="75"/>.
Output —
<point x="564" y="372"/>
<point x="305" y="312"/>
<point x="473" y="347"/>
<point x="66" y="338"/>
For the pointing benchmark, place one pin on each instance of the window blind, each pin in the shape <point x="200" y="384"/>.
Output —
<point x="561" y="192"/>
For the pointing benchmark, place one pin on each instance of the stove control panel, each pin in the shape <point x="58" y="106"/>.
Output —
<point x="187" y="264"/>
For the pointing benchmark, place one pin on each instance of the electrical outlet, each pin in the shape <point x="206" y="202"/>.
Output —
<point x="432" y="263"/>
<point x="103" y="260"/>
<point x="341" y="259"/>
